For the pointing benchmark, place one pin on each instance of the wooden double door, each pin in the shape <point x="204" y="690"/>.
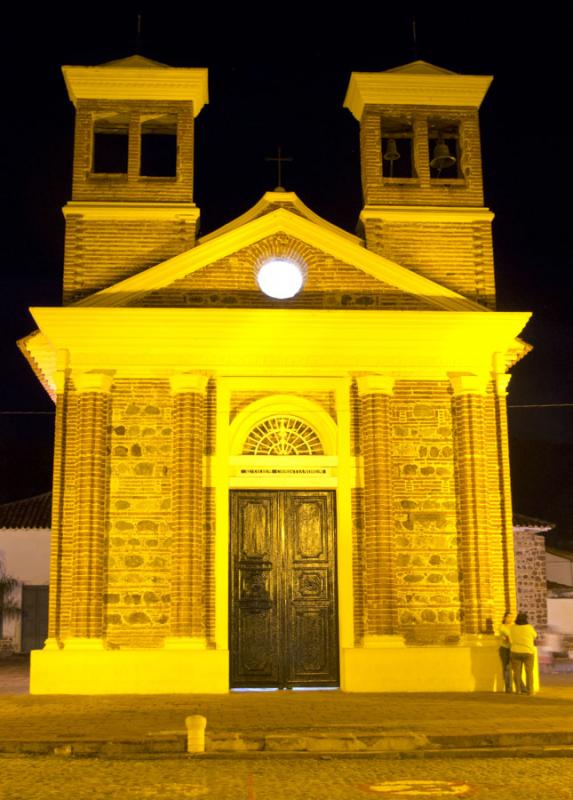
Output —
<point x="283" y="609"/>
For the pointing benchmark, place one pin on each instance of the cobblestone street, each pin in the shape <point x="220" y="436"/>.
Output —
<point x="285" y="779"/>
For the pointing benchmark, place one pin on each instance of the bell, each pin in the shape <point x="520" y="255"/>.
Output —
<point x="391" y="153"/>
<point x="442" y="158"/>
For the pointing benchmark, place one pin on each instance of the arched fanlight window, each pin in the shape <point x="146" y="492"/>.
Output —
<point x="283" y="436"/>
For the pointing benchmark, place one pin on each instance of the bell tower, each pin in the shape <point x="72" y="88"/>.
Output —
<point x="422" y="174"/>
<point x="133" y="170"/>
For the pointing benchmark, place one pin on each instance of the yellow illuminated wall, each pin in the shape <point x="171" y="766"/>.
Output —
<point x="391" y="357"/>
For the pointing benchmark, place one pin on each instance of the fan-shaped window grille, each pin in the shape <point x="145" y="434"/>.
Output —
<point x="283" y="436"/>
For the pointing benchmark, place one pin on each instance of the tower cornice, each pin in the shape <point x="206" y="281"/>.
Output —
<point x="398" y="88"/>
<point x="132" y="82"/>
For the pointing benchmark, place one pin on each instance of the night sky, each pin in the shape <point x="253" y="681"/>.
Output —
<point x="280" y="79"/>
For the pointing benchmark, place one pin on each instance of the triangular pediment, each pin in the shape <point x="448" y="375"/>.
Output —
<point x="220" y="270"/>
<point x="135" y="62"/>
<point x="271" y="201"/>
<point x="421" y="68"/>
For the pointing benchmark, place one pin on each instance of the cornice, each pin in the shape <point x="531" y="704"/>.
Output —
<point x="274" y="342"/>
<point x="138" y="83"/>
<point x="406" y="89"/>
<point x="375" y="384"/>
<point x="188" y="382"/>
<point x="135" y="211"/>
<point x="445" y="214"/>
<point x="93" y="382"/>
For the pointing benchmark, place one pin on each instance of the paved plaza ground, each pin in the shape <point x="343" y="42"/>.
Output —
<point x="57" y="717"/>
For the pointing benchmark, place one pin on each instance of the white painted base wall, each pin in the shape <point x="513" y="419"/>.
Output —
<point x="560" y="613"/>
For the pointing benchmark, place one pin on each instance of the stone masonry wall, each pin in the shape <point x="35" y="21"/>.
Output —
<point x="424" y="502"/>
<point x="425" y="541"/>
<point x="531" y="577"/>
<point x="139" y="539"/>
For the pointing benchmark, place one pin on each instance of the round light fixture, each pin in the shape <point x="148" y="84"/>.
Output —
<point x="280" y="278"/>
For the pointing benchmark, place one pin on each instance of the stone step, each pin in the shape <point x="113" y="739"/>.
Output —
<point x="402" y="744"/>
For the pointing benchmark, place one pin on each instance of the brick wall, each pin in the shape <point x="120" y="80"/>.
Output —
<point x="458" y="256"/>
<point x="88" y="186"/>
<point x="421" y="190"/>
<point x="358" y="563"/>
<point x="99" y="253"/>
<point x="63" y="513"/>
<point x="230" y="282"/>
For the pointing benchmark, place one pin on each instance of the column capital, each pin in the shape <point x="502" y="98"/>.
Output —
<point x="93" y="382"/>
<point x="375" y="384"/>
<point x="470" y="384"/>
<point x="184" y="382"/>
<point x="62" y="364"/>
<point x="501" y="383"/>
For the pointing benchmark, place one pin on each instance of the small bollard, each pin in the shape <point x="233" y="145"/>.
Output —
<point x="196" y="733"/>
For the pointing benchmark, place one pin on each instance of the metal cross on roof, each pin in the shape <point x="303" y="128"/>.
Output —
<point x="280" y="160"/>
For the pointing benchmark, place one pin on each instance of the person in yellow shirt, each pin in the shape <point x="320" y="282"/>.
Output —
<point x="522" y="638"/>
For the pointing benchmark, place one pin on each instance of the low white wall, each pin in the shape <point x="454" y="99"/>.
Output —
<point x="559" y="569"/>
<point x="24" y="556"/>
<point x="560" y="613"/>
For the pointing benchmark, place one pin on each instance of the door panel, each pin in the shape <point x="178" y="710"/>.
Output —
<point x="254" y="593"/>
<point x="284" y="628"/>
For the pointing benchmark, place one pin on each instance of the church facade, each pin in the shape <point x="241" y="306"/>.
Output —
<point x="253" y="490"/>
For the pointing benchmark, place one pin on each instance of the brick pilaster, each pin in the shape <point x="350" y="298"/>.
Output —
<point x="506" y="512"/>
<point x="58" y="485"/>
<point x="470" y="458"/>
<point x="187" y="600"/>
<point x="87" y="583"/>
<point x="379" y="604"/>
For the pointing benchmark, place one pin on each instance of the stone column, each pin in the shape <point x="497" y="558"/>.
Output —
<point x="379" y="602"/>
<point x="88" y="552"/>
<point x="470" y="459"/>
<point x="187" y="626"/>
